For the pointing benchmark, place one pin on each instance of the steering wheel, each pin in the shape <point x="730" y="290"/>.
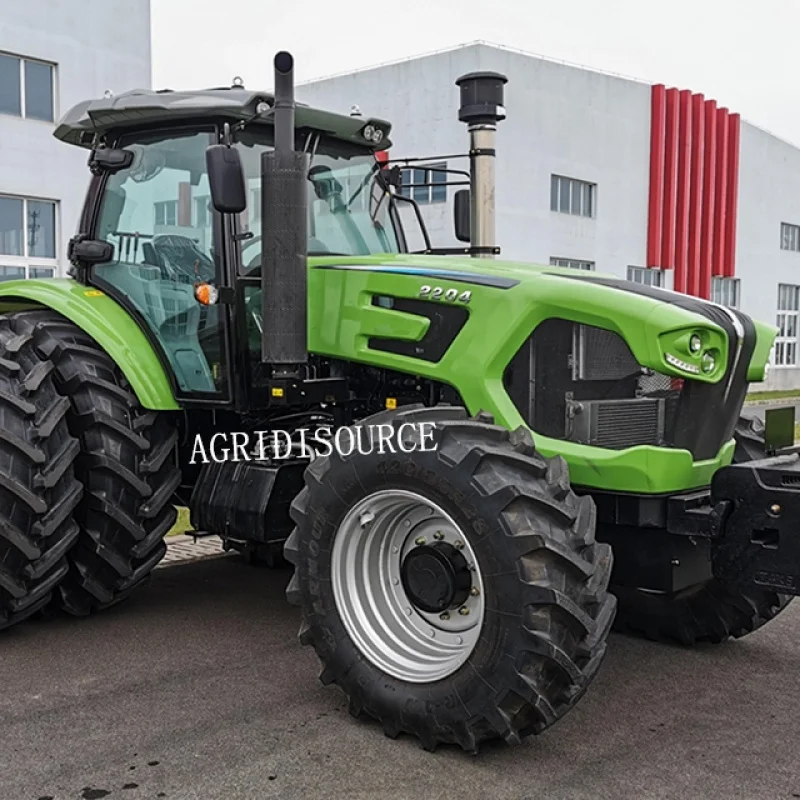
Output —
<point x="182" y="259"/>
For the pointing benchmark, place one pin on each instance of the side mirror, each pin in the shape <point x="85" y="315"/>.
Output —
<point x="226" y="179"/>
<point x="461" y="215"/>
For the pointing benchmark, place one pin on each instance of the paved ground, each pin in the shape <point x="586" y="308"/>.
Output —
<point x="197" y="688"/>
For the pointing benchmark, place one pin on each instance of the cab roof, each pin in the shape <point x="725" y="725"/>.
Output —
<point x="142" y="107"/>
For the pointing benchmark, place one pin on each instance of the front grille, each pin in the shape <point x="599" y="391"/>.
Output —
<point x="582" y="384"/>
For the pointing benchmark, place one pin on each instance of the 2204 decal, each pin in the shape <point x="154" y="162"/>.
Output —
<point x="445" y="295"/>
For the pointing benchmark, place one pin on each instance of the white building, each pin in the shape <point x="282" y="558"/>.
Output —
<point x="54" y="54"/>
<point x="602" y="172"/>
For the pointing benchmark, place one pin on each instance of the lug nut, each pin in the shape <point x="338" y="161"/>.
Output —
<point x="438" y="536"/>
<point x="474" y="591"/>
<point x="463" y="611"/>
<point x="419" y="541"/>
<point x="445" y="616"/>
<point x="459" y="545"/>
<point x="775" y="509"/>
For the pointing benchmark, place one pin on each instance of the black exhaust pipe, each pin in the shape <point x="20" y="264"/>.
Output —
<point x="284" y="231"/>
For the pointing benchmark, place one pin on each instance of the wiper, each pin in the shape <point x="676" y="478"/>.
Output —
<point x="375" y="167"/>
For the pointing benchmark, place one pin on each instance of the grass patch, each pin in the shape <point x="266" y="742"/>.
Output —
<point x="182" y="524"/>
<point x="778" y="394"/>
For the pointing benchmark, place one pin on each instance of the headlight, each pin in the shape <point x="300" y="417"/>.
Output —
<point x="708" y="363"/>
<point x="369" y="132"/>
<point x="695" y="343"/>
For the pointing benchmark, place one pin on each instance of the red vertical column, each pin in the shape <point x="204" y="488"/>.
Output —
<point x="734" y="126"/>
<point x="655" y="217"/>
<point x="709" y="194"/>
<point x="670" y="181"/>
<point x="682" y="196"/>
<point x="696" y="195"/>
<point x="721" y="194"/>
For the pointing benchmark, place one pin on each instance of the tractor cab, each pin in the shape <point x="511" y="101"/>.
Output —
<point x="152" y="239"/>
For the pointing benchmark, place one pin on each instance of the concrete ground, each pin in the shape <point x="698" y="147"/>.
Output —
<point x="198" y="689"/>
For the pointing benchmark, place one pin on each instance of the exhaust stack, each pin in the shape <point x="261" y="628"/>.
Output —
<point x="482" y="107"/>
<point x="284" y="221"/>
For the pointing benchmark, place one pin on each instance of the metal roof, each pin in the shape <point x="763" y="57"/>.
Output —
<point x="233" y="104"/>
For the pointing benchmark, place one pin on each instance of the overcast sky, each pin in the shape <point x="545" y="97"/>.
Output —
<point x="740" y="52"/>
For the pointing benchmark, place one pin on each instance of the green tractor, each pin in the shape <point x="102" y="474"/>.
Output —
<point x="241" y="275"/>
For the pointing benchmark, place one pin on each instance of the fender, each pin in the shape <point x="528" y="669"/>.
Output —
<point x="107" y="322"/>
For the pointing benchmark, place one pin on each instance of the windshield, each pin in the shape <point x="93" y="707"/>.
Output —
<point x="349" y="214"/>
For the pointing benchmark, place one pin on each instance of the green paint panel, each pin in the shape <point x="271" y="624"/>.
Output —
<point x="107" y="322"/>
<point x="342" y="319"/>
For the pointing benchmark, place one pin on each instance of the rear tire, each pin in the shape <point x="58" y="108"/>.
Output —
<point x="125" y="465"/>
<point x="38" y="489"/>
<point x="709" y="612"/>
<point x="541" y="608"/>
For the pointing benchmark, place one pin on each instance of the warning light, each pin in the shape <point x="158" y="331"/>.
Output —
<point x="206" y="294"/>
<point x="277" y="391"/>
<point x="391" y="403"/>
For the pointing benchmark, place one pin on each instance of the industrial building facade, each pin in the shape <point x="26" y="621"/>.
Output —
<point x="652" y="183"/>
<point x="50" y="59"/>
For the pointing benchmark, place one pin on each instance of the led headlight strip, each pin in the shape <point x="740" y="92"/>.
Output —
<point x="682" y="365"/>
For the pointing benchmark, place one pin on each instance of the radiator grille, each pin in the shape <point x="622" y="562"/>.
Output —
<point x="601" y="355"/>
<point x="616" y="424"/>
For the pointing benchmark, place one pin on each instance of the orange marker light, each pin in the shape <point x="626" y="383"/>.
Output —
<point x="206" y="294"/>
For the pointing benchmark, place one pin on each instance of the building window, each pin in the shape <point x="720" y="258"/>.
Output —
<point x="571" y="196"/>
<point x="790" y="237"/>
<point x="167" y="213"/>
<point x="571" y="263"/>
<point x="426" y="184"/>
<point x="26" y="88"/>
<point x="725" y="291"/>
<point x="27" y="238"/>
<point x="786" y="341"/>
<point x="649" y="277"/>
<point x="202" y="212"/>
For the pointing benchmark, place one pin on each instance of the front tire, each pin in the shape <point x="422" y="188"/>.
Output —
<point x="537" y="590"/>
<point x="125" y="465"/>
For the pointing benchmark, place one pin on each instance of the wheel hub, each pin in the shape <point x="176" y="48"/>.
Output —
<point x="436" y="577"/>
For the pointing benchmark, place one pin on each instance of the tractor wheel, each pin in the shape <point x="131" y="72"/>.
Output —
<point x="125" y="465"/>
<point x="713" y="611"/>
<point x="456" y="592"/>
<point x="38" y="489"/>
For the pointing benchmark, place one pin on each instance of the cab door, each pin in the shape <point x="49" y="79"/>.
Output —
<point x="166" y="237"/>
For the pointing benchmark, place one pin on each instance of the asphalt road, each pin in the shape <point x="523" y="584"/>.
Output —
<point x="197" y="688"/>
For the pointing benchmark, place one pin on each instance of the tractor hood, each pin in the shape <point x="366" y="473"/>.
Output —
<point x="662" y="319"/>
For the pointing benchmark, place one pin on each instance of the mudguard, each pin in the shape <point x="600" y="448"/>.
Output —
<point x="107" y="322"/>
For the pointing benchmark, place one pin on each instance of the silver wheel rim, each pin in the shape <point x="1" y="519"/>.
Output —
<point x="389" y="630"/>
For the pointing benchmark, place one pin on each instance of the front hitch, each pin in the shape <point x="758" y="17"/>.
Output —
<point x="755" y="523"/>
